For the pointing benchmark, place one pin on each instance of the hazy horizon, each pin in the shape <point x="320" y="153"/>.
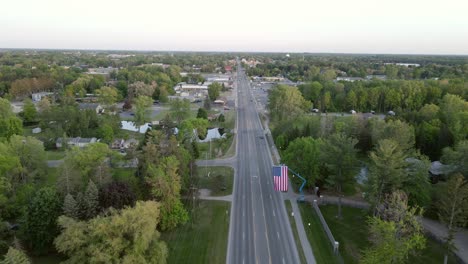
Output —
<point x="352" y="27"/>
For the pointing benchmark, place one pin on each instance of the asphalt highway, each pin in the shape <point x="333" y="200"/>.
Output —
<point x="259" y="229"/>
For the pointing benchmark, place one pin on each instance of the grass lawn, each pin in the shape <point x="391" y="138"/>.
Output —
<point x="203" y="241"/>
<point x="317" y="238"/>
<point x="55" y="154"/>
<point x="352" y="233"/>
<point x="295" y="232"/>
<point x="214" y="182"/>
<point x="219" y="148"/>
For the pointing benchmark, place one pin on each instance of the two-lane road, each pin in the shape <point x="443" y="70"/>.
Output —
<point x="259" y="231"/>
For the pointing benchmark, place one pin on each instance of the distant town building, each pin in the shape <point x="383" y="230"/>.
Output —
<point x="76" y="142"/>
<point x="349" y="79"/>
<point x="404" y="64"/>
<point x="91" y="106"/>
<point x="36" y="97"/>
<point x="378" y="77"/>
<point x="101" y="71"/>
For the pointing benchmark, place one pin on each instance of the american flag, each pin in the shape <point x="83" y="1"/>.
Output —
<point x="280" y="178"/>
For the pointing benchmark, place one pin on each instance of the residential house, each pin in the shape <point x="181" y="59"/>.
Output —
<point x="91" y="106"/>
<point x="76" y="142"/>
<point x="117" y="143"/>
<point x="36" y="97"/>
<point x="130" y="143"/>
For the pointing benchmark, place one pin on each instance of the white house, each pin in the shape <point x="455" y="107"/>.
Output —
<point x="76" y="142"/>
<point x="90" y="106"/>
<point x="36" y="97"/>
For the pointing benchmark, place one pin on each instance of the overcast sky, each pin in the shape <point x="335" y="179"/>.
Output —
<point x="351" y="26"/>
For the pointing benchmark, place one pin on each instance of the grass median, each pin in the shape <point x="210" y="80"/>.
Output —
<point x="295" y="232"/>
<point x="218" y="179"/>
<point x="315" y="233"/>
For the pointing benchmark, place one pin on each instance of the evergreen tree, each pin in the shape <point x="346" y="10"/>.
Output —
<point x="91" y="201"/>
<point x="202" y="113"/>
<point x="70" y="207"/>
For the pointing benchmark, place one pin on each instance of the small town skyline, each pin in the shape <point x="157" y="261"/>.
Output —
<point x="357" y="27"/>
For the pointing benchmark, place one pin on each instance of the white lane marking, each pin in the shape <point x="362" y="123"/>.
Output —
<point x="284" y="261"/>
<point x="270" y="196"/>
<point x="277" y="234"/>
<point x="243" y="235"/>
<point x="243" y="213"/>
<point x="274" y="212"/>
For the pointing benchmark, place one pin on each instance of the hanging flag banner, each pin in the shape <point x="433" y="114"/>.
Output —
<point x="280" y="178"/>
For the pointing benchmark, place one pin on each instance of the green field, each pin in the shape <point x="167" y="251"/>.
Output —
<point x="317" y="238"/>
<point x="295" y="232"/>
<point x="352" y="233"/>
<point x="55" y="154"/>
<point x="219" y="181"/>
<point x="205" y="239"/>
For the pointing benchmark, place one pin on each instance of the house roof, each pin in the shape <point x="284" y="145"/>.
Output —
<point x="91" y="106"/>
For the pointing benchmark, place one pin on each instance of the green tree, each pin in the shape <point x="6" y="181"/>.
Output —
<point x="221" y="118"/>
<point x="457" y="157"/>
<point x="142" y="103"/>
<point x="286" y="102"/>
<point x="351" y="100"/>
<point x="106" y="133"/>
<point x="395" y="233"/>
<point x="15" y="256"/>
<point x="387" y="171"/>
<point x="303" y="156"/>
<point x="453" y="208"/>
<point x="180" y="110"/>
<point x="91" y="201"/>
<point x="311" y="91"/>
<point x="44" y="104"/>
<point x="29" y="111"/>
<point x="401" y="132"/>
<point x="165" y="185"/>
<point x="32" y="157"/>
<point x="213" y="90"/>
<point x="5" y="108"/>
<point x="70" y="207"/>
<point x="416" y="182"/>
<point x="82" y="165"/>
<point x="39" y="226"/>
<point x="10" y="126"/>
<point x="328" y="75"/>
<point x="125" y="236"/>
<point x="202" y="113"/>
<point x="107" y="95"/>
<point x="339" y="156"/>
<point x="454" y="112"/>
